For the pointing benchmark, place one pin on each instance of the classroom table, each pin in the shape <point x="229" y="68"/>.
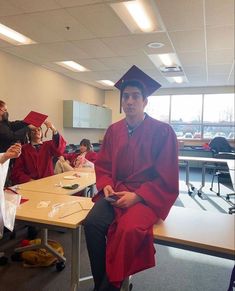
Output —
<point x="200" y="231"/>
<point x="206" y="162"/>
<point x="53" y="184"/>
<point x="40" y="210"/>
<point x="195" y="230"/>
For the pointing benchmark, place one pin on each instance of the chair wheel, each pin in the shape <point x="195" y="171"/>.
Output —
<point x="3" y="261"/>
<point x="60" y="266"/>
<point x="211" y="189"/>
<point x="16" y="257"/>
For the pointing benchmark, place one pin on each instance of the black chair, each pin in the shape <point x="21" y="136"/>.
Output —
<point x="220" y="144"/>
<point x="223" y="178"/>
<point x="221" y="149"/>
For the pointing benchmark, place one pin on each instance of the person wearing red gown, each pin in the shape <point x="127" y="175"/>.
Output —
<point x="138" y="162"/>
<point x="36" y="159"/>
<point x="72" y="161"/>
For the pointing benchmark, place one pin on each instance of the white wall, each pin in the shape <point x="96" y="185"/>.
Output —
<point x="25" y="87"/>
<point x="112" y="98"/>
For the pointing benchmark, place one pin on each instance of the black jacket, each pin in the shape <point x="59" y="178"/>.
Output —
<point x="11" y="132"/>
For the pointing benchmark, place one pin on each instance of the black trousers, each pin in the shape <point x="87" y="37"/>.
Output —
<point x="96" y="227"/>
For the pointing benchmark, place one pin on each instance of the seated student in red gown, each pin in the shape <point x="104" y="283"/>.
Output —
<point x="72" y="161"/>
<point x="36" y="159"/>
<point x="138" y="162"/>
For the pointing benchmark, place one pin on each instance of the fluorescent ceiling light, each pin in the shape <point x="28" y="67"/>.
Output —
<point x="13" y="36"/>
<point x="167" y="60"/>
<point x="139" y="15"/>
<point x="178" y="79"/>
<point x="106" y="82"/>
<point x="73" y="66"/>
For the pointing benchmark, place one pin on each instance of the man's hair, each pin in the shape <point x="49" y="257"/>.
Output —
<point x="134" y="83"/>
<point x="2" y="103"/>
<point x="86" y="142"/>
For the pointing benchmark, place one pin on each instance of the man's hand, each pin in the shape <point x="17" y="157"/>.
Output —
<point x="13" y="152"/>
<point x="127" y="199"/>
<point x="108" y="190"/>
<point x="49" y="125"/>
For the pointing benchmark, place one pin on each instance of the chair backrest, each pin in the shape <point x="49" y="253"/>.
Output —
<point x="220" y="144"/>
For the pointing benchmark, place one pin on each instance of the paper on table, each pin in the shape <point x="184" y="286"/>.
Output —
<point x="35" y="118"/>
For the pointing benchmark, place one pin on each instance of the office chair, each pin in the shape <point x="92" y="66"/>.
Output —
<point x="222" y="174"/>
<point x="221" y="149"/>
<point x="220" y="144"/>
<point x="224" y="178"/>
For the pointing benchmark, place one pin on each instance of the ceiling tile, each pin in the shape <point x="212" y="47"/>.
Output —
<point x="219" y="13"/>
<point x="192" y="58"/>
<point x="190" y="40"/>
<point x="220" y="38"/>
<point x="177" y="15"/>
<point x="35" y="5"/>
<point x="94" y="47"/>
<point x="99" y="19"/>
<point x="220" y="56"/>
<point x="8" y="8"/>
<point x="31" y="26"/>
<point x="219" y="69"/>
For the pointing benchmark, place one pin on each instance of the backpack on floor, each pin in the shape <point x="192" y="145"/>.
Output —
<point x="41" y="257"/>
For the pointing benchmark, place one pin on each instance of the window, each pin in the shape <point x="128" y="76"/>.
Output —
<point x="158" y="107"/>
<point x="186" y="108"/>
<point x="195" y="116"/>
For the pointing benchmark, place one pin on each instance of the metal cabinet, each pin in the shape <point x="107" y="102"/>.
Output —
<point x="77" y="114"/>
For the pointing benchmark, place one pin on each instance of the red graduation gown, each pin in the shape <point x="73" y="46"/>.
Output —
<point x="90" y="156"/>
<point x="145" y="163"/>
<point x="36" y="164"/>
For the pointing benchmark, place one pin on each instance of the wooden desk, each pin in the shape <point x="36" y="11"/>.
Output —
<point x="31" y="213"/>
<point x="200" y="231"/>
<point x="52" y="184"/>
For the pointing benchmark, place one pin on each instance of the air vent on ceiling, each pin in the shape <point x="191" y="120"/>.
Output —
<point x="171" y="69"/>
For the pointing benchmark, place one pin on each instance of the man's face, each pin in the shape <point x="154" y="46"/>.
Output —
<point x="36" y="134"/>
<point x="3" y="113"/>
<point x="133" y="102"/>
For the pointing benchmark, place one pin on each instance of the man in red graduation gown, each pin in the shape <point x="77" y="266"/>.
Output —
<point x="138" y="162"/>
<point x="36" y="159"/>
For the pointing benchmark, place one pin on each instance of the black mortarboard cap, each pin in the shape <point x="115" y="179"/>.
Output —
<point x="134" y="73"/>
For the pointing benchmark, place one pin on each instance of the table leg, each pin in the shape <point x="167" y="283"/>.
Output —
<point x="75" y="260"/>
<point x="189" y="185"/>
<point x="199" y="192"/>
